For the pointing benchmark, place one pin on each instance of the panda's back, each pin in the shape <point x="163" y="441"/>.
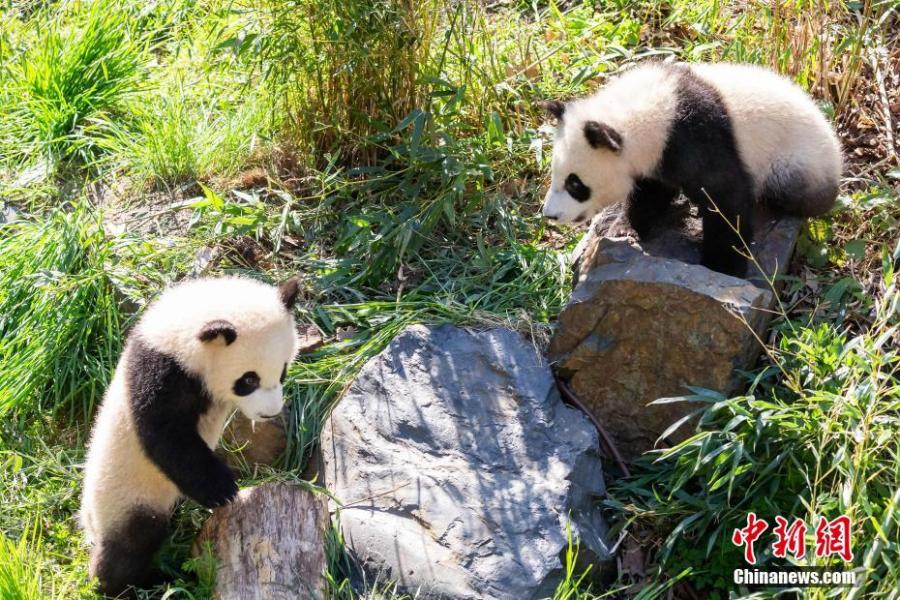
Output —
<point x="774" y="120"/>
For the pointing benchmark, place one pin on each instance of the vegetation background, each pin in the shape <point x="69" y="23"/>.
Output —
<point x="392" y="153"/>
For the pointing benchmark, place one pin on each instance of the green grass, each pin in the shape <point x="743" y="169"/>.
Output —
<point x="347" y="70"/>
<point x="20" y="579"/>
<point x="398" y="161"/>
<point x="182" y="138"/>
<point x="66" y="82"/>
<point x="822" y="444"/>
<point x="60" y="327"/>
<point x="40" y="476"/>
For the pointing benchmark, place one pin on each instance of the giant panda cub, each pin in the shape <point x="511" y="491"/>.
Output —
<point x="726" y="135"/>
<point x="203" y="349"/>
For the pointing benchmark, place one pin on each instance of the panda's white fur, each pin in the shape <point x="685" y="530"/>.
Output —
<point x="782" y="141"/>
<point x="773" y="119"/>
<point x="120" y="477"/>
<point x="640" y="103"/>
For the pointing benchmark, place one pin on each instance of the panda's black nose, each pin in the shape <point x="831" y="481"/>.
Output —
<point x="551" y="217"/>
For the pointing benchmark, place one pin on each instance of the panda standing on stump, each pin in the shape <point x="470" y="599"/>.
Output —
<point x="205" y="348"/>
<point x="726" y="135"/>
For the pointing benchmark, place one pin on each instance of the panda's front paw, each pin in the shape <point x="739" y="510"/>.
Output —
<point x="622" y="228"/>
<point x="219" y="489"/>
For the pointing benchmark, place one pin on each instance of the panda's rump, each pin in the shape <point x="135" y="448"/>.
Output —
<point x="801" y="177"/>
<point x="784" y="140"/>
<point x="795" y="188"/>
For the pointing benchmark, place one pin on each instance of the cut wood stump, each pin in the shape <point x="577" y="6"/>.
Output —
<point x="269" y="544"/>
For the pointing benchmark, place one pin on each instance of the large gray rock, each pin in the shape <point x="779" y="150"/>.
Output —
<point x="459" y="468"/>
<point x="645" y="322"/>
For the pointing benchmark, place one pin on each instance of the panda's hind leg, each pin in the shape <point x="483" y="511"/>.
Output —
<point x="726" y="207"/>
<point x="123" y="559"/>
<point x="793" y="189"/>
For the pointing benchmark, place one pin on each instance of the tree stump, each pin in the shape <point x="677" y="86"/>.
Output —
<point x="269" y="544"/>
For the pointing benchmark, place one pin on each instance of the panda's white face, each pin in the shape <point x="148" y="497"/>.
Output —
<point x="236" y="334"/>
<point x="588" y="171"/>
<point x="249" y="372"/>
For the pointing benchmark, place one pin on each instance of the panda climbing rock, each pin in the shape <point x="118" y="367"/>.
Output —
<point x="726" y="135"/>
<point x="205" y="348"/>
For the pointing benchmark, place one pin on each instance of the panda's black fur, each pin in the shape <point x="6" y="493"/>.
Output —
<point x="168" y="430"/>
<point x="701" y="154"/>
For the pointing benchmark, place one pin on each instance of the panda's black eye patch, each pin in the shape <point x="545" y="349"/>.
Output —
<point x="283" y="373"/>
<point x="246" y="384"/>
<point x="576" y="188"/>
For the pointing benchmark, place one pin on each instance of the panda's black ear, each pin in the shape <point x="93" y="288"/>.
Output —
<point x="214" y="329"/>
<point x="554" y="107"/>
<point x="601" y="135"/>
<point x="289" y="290"/>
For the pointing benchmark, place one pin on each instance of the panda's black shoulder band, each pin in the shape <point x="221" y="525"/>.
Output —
<point x="166" y="405"/>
